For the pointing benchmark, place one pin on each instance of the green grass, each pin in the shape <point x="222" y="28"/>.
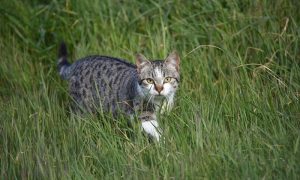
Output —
<point x="237" y="112"/>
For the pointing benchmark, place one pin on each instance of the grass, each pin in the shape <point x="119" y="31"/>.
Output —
<point x="237" y="111"/>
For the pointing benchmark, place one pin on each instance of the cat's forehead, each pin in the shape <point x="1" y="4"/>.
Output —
<point x="158" y="69"/>
<point x="157" y="62"/>
<point x="160" y="66"/>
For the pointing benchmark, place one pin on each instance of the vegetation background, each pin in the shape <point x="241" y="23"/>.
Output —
<point x="237" y="114"/>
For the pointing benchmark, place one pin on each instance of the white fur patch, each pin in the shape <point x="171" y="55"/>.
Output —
<point x="158" y="73"/>
<point x="168" y="104"/>
<point x="60" y="60"/>
<point x="61" y="71"/>
<point x="140" y="91"/>
<point x="151" y="128"/>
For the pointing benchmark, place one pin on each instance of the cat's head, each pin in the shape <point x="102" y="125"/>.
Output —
<point x="158" y="78"/>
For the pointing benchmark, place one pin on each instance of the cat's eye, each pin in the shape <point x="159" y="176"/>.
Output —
<point x="167" y="79"/>
<point x="149" y="81"/>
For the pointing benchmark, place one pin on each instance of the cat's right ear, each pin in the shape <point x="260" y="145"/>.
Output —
<point x="141" y="61"/>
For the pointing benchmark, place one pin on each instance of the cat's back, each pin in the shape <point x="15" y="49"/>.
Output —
<point x="102" y="78"/>
<point x="103" y="70"/>
<point x="97" y="68"/>
<point x="104" y="65"/>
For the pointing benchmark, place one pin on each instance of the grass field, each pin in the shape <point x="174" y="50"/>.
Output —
<point x="237" y="113"/>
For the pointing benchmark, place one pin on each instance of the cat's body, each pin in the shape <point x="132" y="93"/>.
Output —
<point x="101" y="83"/>
<point x="99" y="79"/>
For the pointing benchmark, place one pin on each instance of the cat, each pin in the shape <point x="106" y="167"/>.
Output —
<point x="113" y="85"/>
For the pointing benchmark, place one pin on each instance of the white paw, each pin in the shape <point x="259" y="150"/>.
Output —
<point x="152" y="129"/>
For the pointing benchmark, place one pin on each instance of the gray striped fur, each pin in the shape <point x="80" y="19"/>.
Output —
<point x="101" y="83"/>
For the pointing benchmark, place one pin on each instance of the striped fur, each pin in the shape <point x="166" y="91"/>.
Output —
<point x="101" y="83"/>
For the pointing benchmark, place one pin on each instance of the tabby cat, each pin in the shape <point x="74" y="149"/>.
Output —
<point x="114" y="85"/>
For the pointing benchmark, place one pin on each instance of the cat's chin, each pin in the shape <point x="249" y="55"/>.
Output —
<point x="158" y="98"/>
<point x="163" y="103"/>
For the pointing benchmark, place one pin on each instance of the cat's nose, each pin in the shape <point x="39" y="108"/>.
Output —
<point x="159" y="88"/>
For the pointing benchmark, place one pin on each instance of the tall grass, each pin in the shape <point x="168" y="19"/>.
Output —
<point x="237" y="111"/>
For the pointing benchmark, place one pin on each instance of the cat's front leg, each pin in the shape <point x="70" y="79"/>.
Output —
<point x="151" y="128"/>
<point x="150" y="125"/>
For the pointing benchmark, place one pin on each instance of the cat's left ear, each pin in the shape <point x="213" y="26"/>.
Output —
<point x="173" y="60"/>
<point x="141" y="61"/>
